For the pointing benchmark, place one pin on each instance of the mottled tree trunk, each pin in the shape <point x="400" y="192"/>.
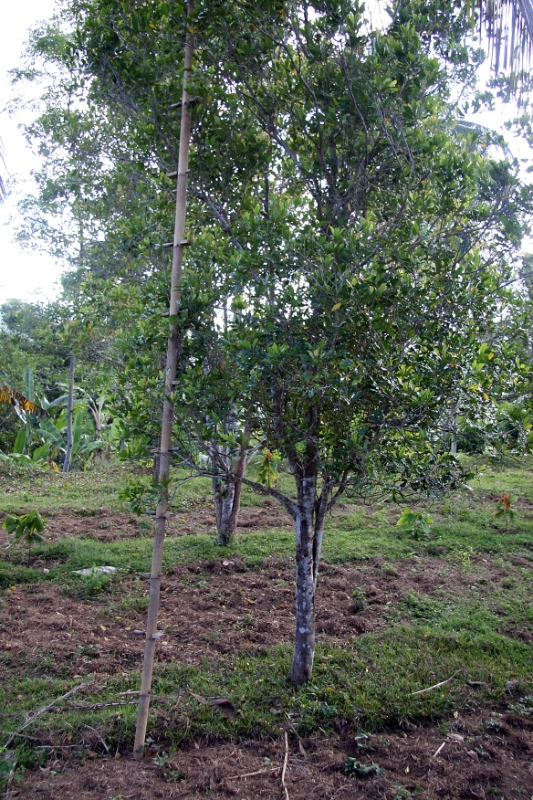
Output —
<point x="223" y="494"/>
<point x="304" y="641"/>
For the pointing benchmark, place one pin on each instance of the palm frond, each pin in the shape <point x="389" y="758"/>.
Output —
<point x="508" y="25"/>
<point x="3" y="190"/>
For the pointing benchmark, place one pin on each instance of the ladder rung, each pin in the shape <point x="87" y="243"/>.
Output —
<point x="184" y="243"/>
<point x="190" y="102"/>
<point x="174" y="174"/>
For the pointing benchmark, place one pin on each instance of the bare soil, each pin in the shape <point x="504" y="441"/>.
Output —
<point x="108" y="526"/>
<point x="209" y="608"/>
<point x="217" y="607"/>
<point x="488" y="756"/>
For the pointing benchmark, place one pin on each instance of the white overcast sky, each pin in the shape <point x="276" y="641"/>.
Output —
<point x="30" y="274"/>
<point x="24" y="274"/>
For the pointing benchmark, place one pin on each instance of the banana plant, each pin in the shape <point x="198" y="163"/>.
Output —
<point x="20" y="451"/>
<point x="53" y="432"/>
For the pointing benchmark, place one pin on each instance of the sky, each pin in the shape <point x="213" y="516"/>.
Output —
<point x="28" y="274"/>
<point x="24" y="274"/>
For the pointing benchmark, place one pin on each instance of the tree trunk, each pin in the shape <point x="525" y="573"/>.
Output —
<point x="238" y="472"/>
<point x="453" y="431"/>
<point x="227" y="493"/>
<point x="70" y="404"/>
<point x="227" y="497"/>
<point x="304" y="641"/>
<point x="223" y="494"/>
<point x="168" y="408"/>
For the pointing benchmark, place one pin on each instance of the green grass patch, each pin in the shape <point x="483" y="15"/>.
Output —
<point x="370" y="686"/>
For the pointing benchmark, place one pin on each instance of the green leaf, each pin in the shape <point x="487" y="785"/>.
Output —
<point x="20" y="442"/>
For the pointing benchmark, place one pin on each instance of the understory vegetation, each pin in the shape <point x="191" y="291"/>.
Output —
<point x="452" y="606"/>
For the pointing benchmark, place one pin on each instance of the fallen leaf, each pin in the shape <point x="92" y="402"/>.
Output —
<point x="198" y="697"/>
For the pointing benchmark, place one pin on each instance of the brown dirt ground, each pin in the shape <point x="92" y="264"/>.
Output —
<point x="108" y="526"/>
<point x="484" y="757"/>
<point x="217" y="607"/>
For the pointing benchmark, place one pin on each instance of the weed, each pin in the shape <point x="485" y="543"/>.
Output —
<point x="354" y="767"/>
<point x="401" y="792"/>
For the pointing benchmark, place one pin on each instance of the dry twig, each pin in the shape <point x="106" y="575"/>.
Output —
<point x="94" y="706"/>
<point x="435" y="754"/>
<point x="284" y="770"/>
<point x="435" y="686"/>
<point x="106" y="748"/>
<point x="36" y="714"/>
<point x="251" y="774"/>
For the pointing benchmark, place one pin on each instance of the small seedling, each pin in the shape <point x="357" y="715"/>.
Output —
<point x="503" y="508"/>
<point x="415" y="523"/>
<point x="354" y="767"/>
<point x="268" y="471"/>
<point x="359" y="600"/>
<point x="26" y="527"/>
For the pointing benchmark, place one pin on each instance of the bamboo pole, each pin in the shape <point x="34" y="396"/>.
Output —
<point x="70" y="405"/>
<point x="168" y="408"/>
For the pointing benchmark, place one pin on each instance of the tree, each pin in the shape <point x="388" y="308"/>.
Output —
<point x="356" y="246"/>
<point x="366" y="277"/>
<point x="118" y="204"/>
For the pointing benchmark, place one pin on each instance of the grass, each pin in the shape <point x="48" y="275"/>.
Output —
<point x="480" y="634"/>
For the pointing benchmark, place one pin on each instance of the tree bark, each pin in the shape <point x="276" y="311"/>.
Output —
<point x="304" y="640"/>
<point x="320" y="518"/>
<point x="227" y="495"/>
<point x="238" y="472"/>
<point x="168" y="408"/>
<point x="223" y="495"/>
<point x="70" y="405"/>
<point x="453" y="446"/>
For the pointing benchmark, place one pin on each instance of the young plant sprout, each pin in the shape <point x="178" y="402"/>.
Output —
<point x="27" y="527"/>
